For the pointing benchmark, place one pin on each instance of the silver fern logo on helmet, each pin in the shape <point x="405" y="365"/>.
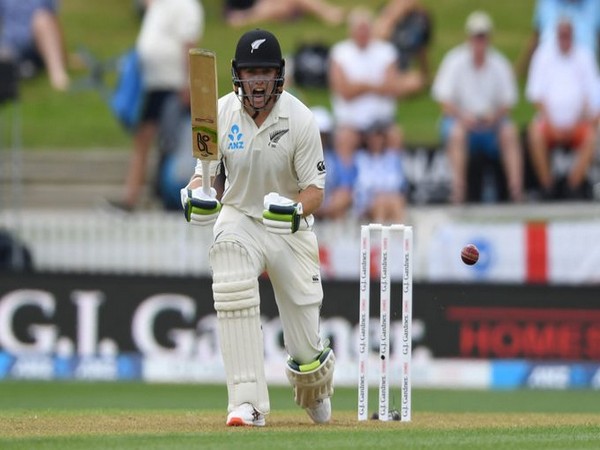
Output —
<point x="257" y="43"/>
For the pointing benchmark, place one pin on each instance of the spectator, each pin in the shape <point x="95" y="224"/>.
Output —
<point x="31" y="34"/>
<point x="341" y="171"/>
<point x="563" y="85"/>
<point x="240" y="13"/>
<point x="380" y="186"/>
<point x="407" y="25"/>
<point x="583" y="14"/>
<point x="365" y="83"/>
<point x="169" y="29"/>
<point x="476" y="89"/>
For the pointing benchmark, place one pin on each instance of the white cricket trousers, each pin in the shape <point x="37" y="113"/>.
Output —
<point x="291" y="262"/>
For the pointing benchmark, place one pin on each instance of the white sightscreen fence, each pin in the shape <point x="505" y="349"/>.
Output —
<point x="99" y="242"/>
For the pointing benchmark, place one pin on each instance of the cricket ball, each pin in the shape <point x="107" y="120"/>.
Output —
<point x="469" y="254"/>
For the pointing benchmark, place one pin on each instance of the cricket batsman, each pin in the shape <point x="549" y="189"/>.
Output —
<point x="272" y="160"/>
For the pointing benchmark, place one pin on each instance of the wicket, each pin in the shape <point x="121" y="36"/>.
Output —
<point x="405" y="347"/>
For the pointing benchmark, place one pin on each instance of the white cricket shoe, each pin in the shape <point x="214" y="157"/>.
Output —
<point x="245" y="415"/>
<point x="321" y="411"/>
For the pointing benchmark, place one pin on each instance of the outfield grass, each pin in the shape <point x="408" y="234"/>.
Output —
<point x="81" y="120"/>
<point x="154" y="416"/>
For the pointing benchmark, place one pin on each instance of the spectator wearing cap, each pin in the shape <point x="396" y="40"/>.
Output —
<point x="476" y="89"/>
<point x="563" y="86"/>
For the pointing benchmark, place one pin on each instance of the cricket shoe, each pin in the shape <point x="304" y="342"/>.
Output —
<point x="245" y="415"/>
<point x="321" y="411"/>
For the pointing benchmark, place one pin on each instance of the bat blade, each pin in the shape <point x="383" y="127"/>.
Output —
<point x="203" y="108"/>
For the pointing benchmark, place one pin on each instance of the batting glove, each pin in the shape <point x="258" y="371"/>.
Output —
<point x="281" y="215"/>
<point x="200" y="208"/>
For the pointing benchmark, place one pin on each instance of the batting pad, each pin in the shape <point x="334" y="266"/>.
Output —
<point x="313" y="381"/>
<point x="235" y="291"/>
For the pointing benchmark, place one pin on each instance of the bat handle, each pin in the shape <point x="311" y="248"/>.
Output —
<point x="206" y="177"/>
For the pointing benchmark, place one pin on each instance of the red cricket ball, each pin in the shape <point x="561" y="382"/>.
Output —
<point x="469" y="254"/>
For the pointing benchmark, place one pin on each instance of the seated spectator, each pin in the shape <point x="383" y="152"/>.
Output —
<point x="476" y="89"/>
<point x="31" y="34"/>
<point x="241" y="13"/>
<point x="583" y="14"/>
<point x="407" y="25"/>
<point x="341" y="171"/>
<point x="366" y="83"/>
<point x="563" y="85"/>
<point x="379" y="191"/>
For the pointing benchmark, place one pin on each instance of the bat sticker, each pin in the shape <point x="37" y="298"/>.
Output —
<point x="203" y="137"/>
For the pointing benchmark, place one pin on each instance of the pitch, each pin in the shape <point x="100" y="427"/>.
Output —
<point x="136" y="415"/>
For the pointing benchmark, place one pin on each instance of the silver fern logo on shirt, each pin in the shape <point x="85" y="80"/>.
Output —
<point x="275" y="136"/>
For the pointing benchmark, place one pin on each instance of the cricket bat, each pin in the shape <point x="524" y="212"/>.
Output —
<point x="203" y="107"/>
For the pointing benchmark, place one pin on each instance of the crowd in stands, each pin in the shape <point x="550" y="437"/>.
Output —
<point x="476" y="88"/>
<point x="383" y="59"/>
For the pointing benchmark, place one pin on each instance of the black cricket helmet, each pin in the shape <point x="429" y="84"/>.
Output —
<point x="257" y="49"/>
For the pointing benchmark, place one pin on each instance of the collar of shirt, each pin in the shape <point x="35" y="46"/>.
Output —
<point x="281" y="109"/>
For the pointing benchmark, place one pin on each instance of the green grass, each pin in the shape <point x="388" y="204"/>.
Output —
<point x="82" y="120"/>
<point x="71" y="415"/>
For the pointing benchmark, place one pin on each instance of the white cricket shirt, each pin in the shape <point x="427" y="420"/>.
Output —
<point x="284" y="155"/>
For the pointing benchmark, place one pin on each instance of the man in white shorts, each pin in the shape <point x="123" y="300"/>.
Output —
<point x="272" y="160"/>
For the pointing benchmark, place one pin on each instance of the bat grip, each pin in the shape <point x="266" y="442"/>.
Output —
<point x="206" y="177"/>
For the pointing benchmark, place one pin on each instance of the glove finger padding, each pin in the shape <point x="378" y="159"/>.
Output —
<point x="202" y="211"/>
<point x="281" y="214"/>
<point x="312" y="381"/>
<point x="200" y="208"/>
<point x="282" y="219"/>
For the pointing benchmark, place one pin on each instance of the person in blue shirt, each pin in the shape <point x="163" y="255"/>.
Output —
<point x="31" y="35"/>
<point x="341" y="171"/>
<point x="381" y="186"/>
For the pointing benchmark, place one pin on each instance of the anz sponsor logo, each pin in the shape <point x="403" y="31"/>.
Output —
<point x="235" y="137"/>
<point x="549" y="376"/>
